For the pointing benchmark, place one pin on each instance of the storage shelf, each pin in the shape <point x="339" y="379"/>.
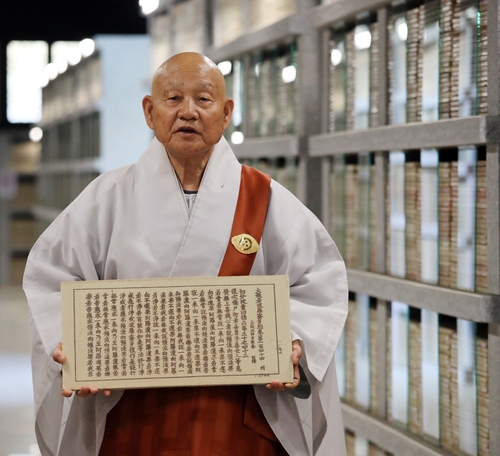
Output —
<point x="343" y="10"/>
<point x="476" y="307"/>
<point x="70" y="116"/>
<point x="386" y="436"/>
<point x="442" y="133"/>
<point x="279" y="146"/>
<point x="278" y="32"/>
<point x="72" y="166"/>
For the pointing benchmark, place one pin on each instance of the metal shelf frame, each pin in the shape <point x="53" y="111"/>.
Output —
<point x="279" y="32"/>
<point x="477" y="130"/>
<point x="343" y="10"/>
<point x="386" y="436"/>
<point x="481" y="308"/>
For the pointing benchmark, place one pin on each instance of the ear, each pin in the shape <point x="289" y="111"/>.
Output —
<point x="147" y="107"/>
<point x="228" y="111"/>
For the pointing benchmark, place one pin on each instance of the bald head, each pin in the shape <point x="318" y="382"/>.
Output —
<point x="189" y="64"/>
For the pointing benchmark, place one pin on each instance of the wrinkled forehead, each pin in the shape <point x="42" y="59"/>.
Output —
<point x="184" y="77"/>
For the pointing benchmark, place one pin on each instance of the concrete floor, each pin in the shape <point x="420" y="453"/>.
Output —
<point x="17" y="436"/>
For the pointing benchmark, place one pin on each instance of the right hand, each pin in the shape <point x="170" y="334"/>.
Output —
<point x="59" y="357"/>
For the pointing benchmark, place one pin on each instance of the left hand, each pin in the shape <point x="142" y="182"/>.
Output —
<point x="276" y="385"/>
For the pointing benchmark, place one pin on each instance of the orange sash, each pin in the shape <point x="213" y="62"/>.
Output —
<point x="203" y="421"/>
<point x="249" y="218"/>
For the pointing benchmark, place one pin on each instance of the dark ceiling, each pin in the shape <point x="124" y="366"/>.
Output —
<point x="54" y="20"/>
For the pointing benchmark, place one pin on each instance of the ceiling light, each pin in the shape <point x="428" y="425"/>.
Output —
<point x="148" y="6"/>
<point x="257" y="69"/>
<point x="336" y="57"/>
<point x="61" y="64"/>
<point x="225" y="67"/>
<point x="87" y="47"/>
<point x="50" y="71"/>
<point x="36" y="134"/>
<point x="44" y="80"/>
<point x="74" y="56"/>
<point x="289" y="74"/>
<point x="402" y="30"/>
<point x="237" y="137"/>
<point x="362" y="38"/>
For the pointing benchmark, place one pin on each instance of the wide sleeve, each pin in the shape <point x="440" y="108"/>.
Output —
<point x="62" y="253"/>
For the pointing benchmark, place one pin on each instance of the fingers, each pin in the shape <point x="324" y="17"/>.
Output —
<point x="296" y="351"/>
<point x="85" y="391"/>
<point x="67" y="392"/>
<point x="279" y="386"/>
<point x="276" y="385"/>
<point x="58" y="356"/>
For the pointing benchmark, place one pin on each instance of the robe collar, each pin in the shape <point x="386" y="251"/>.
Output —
<point x="188" y="246"/>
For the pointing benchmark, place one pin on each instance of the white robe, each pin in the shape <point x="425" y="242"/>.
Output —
<point x="133" y="222"/>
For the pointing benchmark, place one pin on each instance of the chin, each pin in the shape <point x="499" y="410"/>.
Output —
<point x="188" y="150"/>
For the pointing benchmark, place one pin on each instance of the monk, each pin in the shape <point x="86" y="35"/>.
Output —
<point x="170" y="215"/>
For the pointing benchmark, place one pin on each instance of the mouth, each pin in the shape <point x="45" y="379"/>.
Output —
<point x="186" y="130"/>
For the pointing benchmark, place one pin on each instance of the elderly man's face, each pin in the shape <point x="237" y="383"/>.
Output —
<point x="188" y="109"/>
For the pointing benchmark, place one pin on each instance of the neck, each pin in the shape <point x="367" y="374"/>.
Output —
<point x="189" y="171"/>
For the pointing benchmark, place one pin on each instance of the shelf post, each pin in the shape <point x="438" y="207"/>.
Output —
<point x="493" y="50"/>
<point x="325" y="77"/>
<point x="309" y="116"/>
<point x="383" y="42"/>
<point x="383" y="311"/>
<point x="493" y="211"/>
<point x="494" y="387"/>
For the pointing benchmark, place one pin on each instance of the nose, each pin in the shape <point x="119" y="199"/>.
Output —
<point x="187" y="109"/>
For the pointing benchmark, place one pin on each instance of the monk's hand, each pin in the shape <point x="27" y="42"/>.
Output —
<point x="85" y="391"/>
<point x="276" y="385"/>
<point x="59" y="357"/>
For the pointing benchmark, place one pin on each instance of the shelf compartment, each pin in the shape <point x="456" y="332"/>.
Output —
<point x="385" y="436"/>
<point x="72" y="166"/>
<point x="72" y="116"/>
<point x="280" y="31"/>
<point x="442" y="133"/>
<point x="481" y="308"/>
